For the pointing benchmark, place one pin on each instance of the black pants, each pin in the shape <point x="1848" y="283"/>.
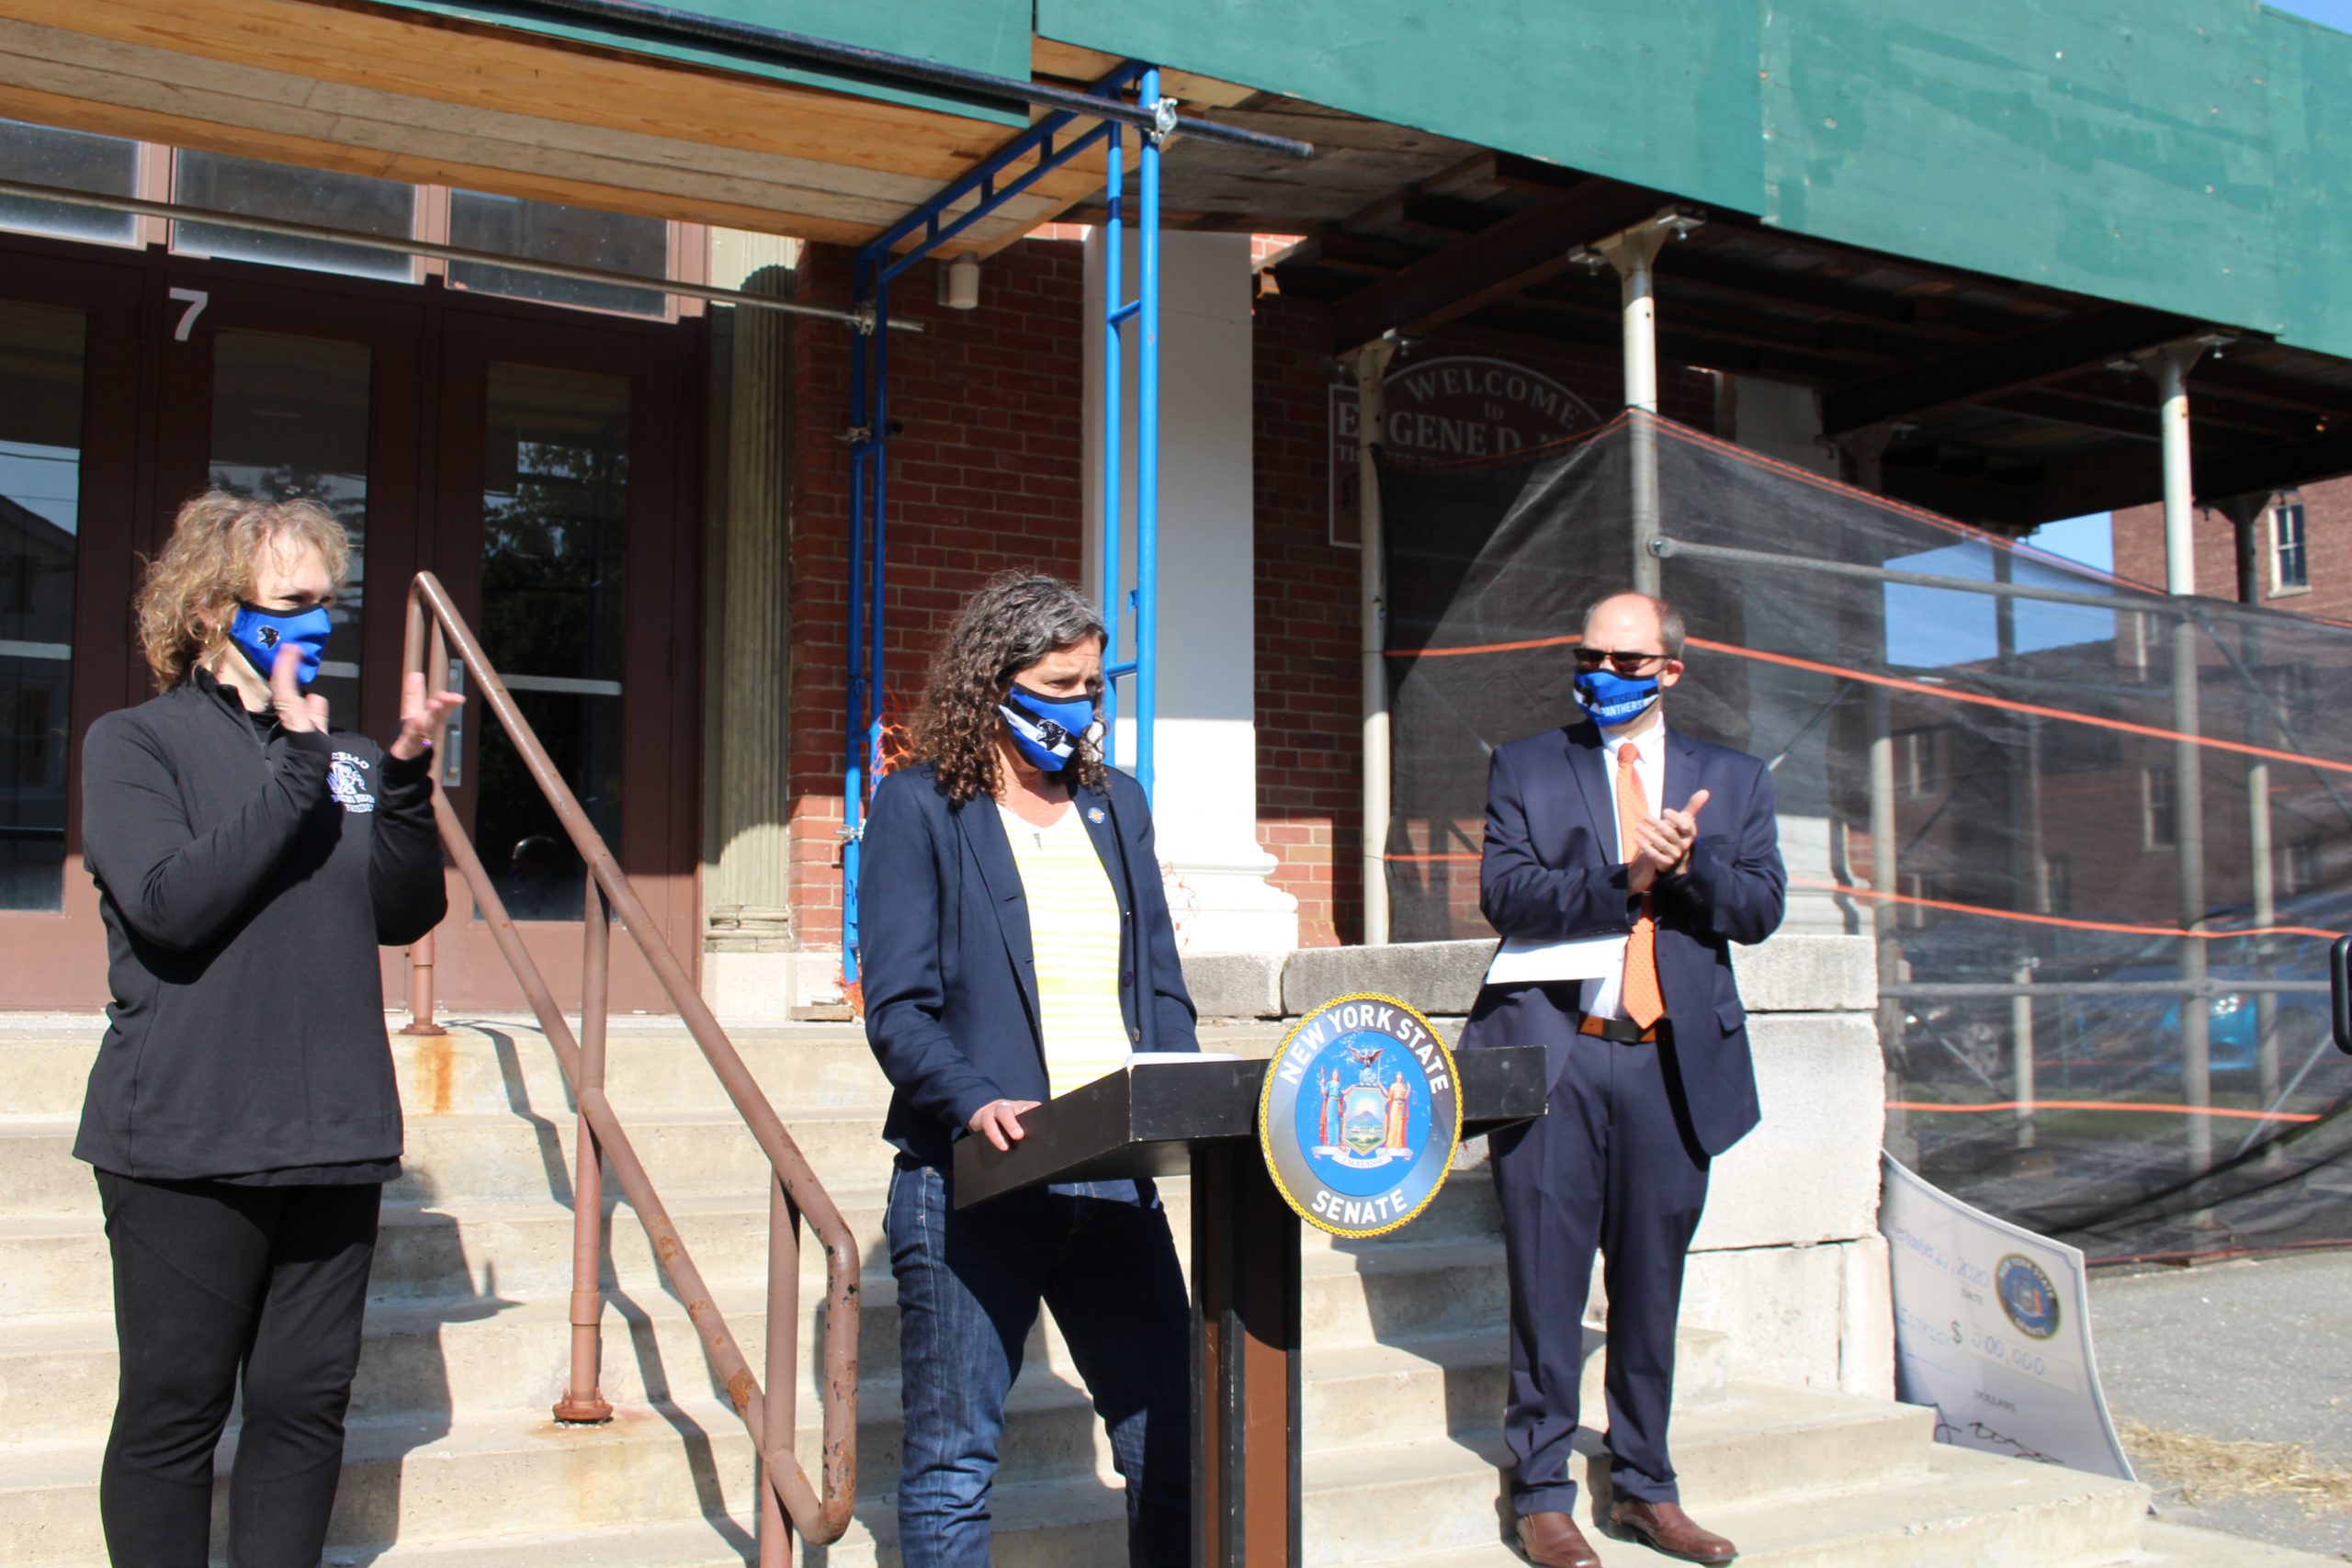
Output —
<point x="210" y="1280"/>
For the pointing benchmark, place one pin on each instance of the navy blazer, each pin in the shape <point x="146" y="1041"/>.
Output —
<point x="1552" y="871"/>
<point x="944" y="958"/>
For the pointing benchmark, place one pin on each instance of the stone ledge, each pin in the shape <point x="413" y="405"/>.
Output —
<point x="1432" y="977"/>
<point x="1804" y="973"/>
<point x="1235" y="984"/>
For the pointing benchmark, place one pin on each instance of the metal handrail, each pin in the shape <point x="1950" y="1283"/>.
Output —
<point x="434" y="625"/>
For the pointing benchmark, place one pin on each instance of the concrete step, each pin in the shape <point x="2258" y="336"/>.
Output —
<point x="2163" y="1545"/>
<point x="1964" y="1509"/>
<point x="499" y="1155"/>
<point x="57" y="1264"/>
<point x="651" y="1064"/>
<point x="1405" y="1329"/>
<point x="486" y="1355"/>
<point x="719" y="1542"/>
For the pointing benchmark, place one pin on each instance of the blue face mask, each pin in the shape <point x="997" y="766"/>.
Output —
<point x="1044" y="731"/>
<point x="261" y="634"/>
<point x="1615" y="700"/>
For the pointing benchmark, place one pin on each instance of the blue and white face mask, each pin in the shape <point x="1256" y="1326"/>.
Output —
<point x="1044" y="731"/>
<point x="1615" y="700"/>
<point x="261" y="633"/>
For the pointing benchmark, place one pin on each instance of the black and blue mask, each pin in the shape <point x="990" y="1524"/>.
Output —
<point x="262" y="633"/>
<point x="1044" y="731"/>
<point x="1615" y="700"/>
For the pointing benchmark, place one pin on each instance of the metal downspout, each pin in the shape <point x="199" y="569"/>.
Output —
<point x="1369" y="362"/>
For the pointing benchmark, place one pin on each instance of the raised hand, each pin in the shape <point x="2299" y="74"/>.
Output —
<point x="296" y="712"/>
<point x="420" y="716"/>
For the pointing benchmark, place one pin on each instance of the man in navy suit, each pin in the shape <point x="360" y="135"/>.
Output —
<point x="1619" y="826"/>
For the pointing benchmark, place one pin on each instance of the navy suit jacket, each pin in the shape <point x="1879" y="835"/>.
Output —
<point x="1552" y="871"/>
<point x="945" y="956"/>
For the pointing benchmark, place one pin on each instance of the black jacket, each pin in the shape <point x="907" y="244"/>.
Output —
<point x="246" y="881"/>
<point x="944" y="959"/>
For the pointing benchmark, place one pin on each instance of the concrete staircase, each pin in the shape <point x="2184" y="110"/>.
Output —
<point x="453" y="1460"/>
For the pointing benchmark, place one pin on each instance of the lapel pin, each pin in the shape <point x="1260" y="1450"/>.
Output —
<point x="1094" y="814"/>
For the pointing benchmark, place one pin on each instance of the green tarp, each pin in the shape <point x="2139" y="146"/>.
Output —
<point x="2182" y="154"/>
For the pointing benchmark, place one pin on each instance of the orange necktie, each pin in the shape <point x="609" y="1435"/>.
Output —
<point x="1644" y="1003"/>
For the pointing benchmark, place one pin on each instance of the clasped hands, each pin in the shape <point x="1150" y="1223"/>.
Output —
<point x="299" y="711"/>
<point x="1664" y="844"/>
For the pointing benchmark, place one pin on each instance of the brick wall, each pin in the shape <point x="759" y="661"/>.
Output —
<point x="985" y="474"/>
<point x="2139" y="534"/>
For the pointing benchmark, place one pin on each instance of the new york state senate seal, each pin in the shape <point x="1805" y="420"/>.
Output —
<point x="1361" y="1115"/>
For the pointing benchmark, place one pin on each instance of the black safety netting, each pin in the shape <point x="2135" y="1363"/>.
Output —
<point x="2101" y="837"/>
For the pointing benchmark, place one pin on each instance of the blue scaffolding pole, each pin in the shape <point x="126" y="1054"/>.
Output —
<point x="1044" y="146"/>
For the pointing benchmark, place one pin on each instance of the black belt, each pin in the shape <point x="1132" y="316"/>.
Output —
<point x="1623" y="1030"/>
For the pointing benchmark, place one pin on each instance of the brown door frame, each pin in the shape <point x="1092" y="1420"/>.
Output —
<point x="146" y="443"/>
<point x="660" y="805"/>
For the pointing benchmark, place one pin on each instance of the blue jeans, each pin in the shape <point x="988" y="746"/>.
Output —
<point x="1100" y="1254"/>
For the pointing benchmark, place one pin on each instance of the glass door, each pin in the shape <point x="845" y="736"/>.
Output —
<point x="67" y="361"/>
<point x="283" y="391"/>
<point x="561" y="532"/>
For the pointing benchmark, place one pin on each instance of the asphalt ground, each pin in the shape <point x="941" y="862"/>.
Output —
<point x="2249" y="1349"/>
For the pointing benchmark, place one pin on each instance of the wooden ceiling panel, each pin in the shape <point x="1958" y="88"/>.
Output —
<point x="153" y="125"/>
<point x="853" y="161"/>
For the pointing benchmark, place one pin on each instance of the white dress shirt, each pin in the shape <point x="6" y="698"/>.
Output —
<point x="1604" y="997"/>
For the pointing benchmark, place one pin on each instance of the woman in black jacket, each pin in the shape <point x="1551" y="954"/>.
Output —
<point x="242" y="1115"/>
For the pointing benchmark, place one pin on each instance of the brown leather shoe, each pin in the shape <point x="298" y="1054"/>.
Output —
<point x="1553" y="1541"/>
<point x="1665" y="1527"/>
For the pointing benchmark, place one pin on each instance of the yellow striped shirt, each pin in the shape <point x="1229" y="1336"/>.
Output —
<point x="1074" y="932"/>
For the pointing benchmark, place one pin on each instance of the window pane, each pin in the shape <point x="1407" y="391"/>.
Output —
<point x="289" y="418"/>
<point x="548" y="231"/>
<point x="354" y="202"/>
<point x="43" y="155"/>
<point x="555" y="509"/>
<point x="41" y="462"/>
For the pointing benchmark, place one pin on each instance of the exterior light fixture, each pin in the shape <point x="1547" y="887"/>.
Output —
<point x="959" y="283"/>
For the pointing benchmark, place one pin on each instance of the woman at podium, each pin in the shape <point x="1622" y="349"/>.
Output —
<point x="1015" y="945"/>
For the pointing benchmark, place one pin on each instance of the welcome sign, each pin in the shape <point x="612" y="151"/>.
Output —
<point x="1452" y="408"/>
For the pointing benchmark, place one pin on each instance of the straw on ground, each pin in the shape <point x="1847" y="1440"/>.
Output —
<point x="2205" y="1467"/>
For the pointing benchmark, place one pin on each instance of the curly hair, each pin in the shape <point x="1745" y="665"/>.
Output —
<point x="1014" y="620"/>
<point x="192" y="587"/>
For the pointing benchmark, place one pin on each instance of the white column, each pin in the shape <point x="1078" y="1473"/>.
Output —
<point x="1633" y="254"/>
<point x="1206" y="792"/>
<point x="2169" y="365"/>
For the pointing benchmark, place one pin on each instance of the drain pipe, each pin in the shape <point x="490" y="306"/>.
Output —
<point x="1369" y="362"/>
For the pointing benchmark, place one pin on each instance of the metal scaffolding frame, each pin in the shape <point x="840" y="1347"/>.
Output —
<point x="1048" y="144"/>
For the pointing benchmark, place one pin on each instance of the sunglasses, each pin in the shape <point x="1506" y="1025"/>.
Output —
<point x="1622" y="662"/>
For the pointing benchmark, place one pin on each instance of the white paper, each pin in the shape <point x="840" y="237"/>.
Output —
<point x="1155" y="1058"/>
<point x="1519" y="962"/>
<point x="1993" y="1328"/>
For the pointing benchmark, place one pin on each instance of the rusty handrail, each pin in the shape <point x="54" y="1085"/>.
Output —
<point x="434" y="625"/>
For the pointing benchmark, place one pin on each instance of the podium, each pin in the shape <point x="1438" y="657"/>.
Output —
<point x="1166" y="1119"/>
